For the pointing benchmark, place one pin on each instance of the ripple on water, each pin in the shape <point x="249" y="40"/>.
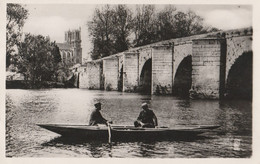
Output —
<point x="25" y="108"/>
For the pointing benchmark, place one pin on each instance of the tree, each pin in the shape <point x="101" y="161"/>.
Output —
<point x="114" y="29"/>
<point x="16" y="16"/>
<point x="144" y="25"/>
<point x="62" y="72"/>
<point x="109" y="29"/>
<point x="189" y="23"/>
<point x="165" y="23"/>
<point x="122" y="21"/>
<point x="38" y="58"/>
<point x="101" y="31"/>
<point x="56" y="59"/>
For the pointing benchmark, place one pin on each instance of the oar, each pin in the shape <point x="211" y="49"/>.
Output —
<point x="109" y="132"/>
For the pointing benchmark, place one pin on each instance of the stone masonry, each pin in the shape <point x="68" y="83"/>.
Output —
<point x="162" y="67"/>
<point x="130" y="72"/>
<point x="90" y="76"/>
<point x="110" y="73"/>
<point x="206" y="55"/>
<point x="212" y="56"/>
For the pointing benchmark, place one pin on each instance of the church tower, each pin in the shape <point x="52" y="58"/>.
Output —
<point x="73" y="38"/>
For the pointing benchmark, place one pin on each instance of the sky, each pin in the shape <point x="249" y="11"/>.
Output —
<point x="54" y="19"/>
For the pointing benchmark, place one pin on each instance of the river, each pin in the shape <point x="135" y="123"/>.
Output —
<point x="25" y="108"/>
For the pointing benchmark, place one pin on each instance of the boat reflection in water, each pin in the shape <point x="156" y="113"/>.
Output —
<point x="26" y="108"/>
<point x="133" y="147"/>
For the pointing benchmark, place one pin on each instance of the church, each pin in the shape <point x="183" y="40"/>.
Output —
<point x="70" y="50"/>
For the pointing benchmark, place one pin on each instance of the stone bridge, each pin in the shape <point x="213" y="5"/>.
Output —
<point x="213" y="65"/>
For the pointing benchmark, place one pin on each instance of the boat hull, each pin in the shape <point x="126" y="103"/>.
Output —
<point x="87" y="132"/>
<point x="125" y="132"/>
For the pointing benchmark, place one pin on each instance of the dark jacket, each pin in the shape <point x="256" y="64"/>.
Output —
<point x="147" y="117"/>
<point x="96" y="118"/>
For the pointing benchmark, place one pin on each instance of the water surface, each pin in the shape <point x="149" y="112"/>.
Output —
<point x="25" y="108"/>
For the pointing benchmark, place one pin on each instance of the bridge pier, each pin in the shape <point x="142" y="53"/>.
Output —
<point x="110" y="73"/>
<point x="90" y="75"/>
<point x="207" y="69"/>
<point x="162" y="69"/>
<point x="130" y="71"/>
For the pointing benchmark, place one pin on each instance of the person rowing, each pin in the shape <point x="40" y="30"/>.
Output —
<point x="146" y="118"/>
<point x="96" y="117"/>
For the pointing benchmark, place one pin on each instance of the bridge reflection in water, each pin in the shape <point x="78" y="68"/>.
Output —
<point x="25" y="108"/>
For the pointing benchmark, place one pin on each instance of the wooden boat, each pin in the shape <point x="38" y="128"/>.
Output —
<point x="125" y="132"/>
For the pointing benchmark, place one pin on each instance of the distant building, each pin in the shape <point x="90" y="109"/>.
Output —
<point x="70" y="50"/>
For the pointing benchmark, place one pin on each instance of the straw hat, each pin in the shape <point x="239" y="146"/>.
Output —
<point x="144" y="104"/>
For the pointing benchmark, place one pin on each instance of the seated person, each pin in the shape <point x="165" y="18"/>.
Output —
<point x="146" y="118"/>
<point x="96" y="117"/>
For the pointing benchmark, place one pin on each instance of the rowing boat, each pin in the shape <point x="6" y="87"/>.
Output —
<point x="122" y="132"/>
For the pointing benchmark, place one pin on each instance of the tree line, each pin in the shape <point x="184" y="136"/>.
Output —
<point x="116" y="28"/>
<point x="35" y="56"/>
<point x="113" y="29"/>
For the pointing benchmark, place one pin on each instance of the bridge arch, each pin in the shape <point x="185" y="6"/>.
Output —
<point x="144" y="56"/>
<point x="146" y="77"/>
<point x="239" y="78"/>
<point x="182" y="79"/>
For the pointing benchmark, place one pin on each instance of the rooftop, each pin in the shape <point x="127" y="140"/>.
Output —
<point x="64" y="46"/>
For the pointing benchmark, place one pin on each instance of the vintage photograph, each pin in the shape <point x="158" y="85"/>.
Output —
<point x="128" y="80"/>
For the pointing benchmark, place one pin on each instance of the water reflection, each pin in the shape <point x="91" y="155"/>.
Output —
<point x="25" y="108"/>
<point x="147" y="149"/>
<point x="95" y="149"/>
<point x="140" y="148"/>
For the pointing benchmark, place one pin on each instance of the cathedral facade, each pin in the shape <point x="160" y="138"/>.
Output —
<point x="70" y="50"/>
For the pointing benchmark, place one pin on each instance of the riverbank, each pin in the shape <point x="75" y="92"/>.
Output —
<point x="22" y="84"/>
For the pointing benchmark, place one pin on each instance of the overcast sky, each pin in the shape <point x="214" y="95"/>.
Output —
<point x="54" y="19"/>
